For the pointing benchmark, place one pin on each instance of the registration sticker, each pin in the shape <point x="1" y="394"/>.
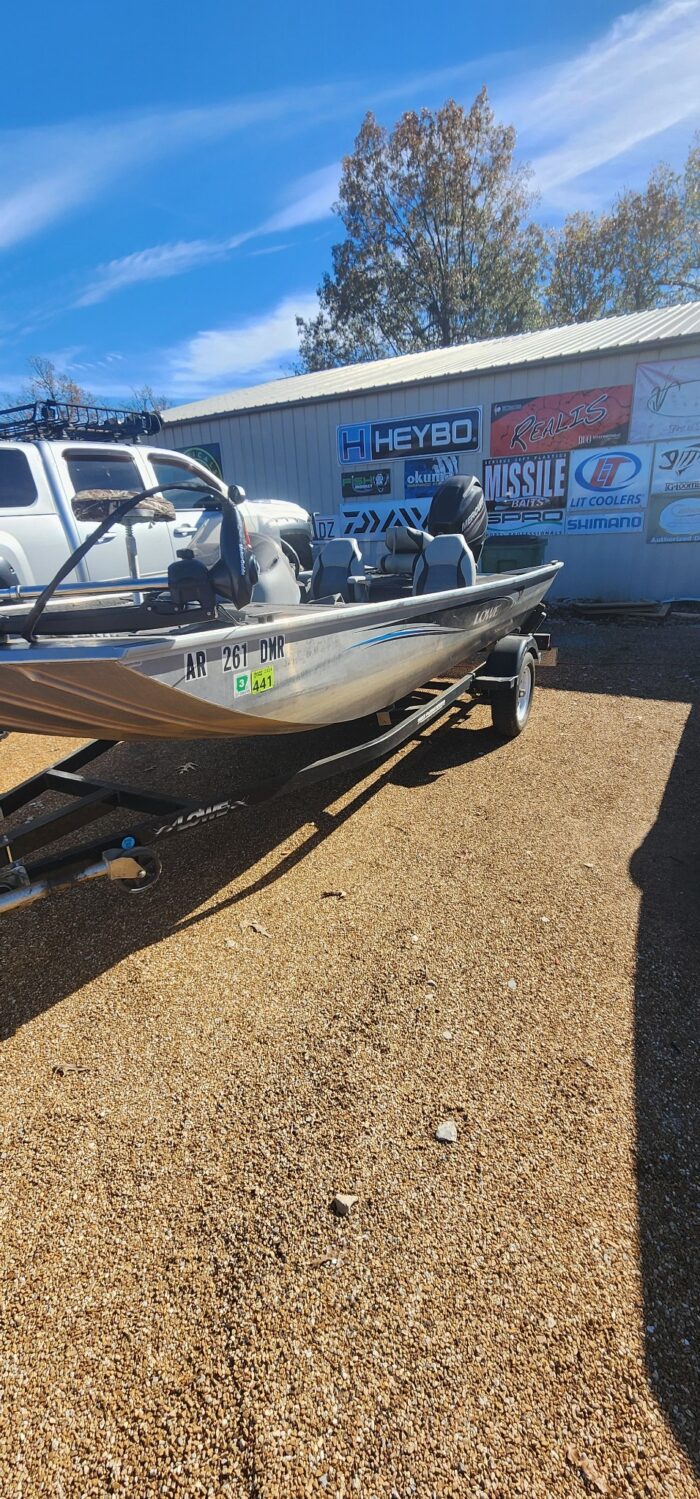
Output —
<point x="241" y="683"/>
<point x="262" y="679"/>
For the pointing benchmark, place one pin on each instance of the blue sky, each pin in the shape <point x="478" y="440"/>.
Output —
<point x="167" y="171"/>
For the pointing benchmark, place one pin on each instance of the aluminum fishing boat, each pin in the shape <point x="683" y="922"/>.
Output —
<point x="252" y="646"/>
<point x="249" y="645"/>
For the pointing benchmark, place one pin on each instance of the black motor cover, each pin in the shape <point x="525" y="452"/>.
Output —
<point x="459" y="505"/>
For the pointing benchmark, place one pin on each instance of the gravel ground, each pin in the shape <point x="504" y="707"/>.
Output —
<point x="500" y="935"/>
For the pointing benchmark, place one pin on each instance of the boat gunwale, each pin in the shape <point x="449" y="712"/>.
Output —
<point x="303" y="620"/>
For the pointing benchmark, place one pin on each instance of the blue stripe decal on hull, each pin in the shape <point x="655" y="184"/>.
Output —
<point x="398" y="635"/>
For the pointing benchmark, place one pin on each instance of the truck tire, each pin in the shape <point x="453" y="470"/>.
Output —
<point x="510" y="710"/>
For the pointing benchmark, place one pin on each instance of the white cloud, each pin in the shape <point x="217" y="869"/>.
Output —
<point x="154" y="264"/>
<point x="244" y="353"/>
<point x="639" y="79"/>
<point x="48" y="172"/>
<point x="309" y="200"/>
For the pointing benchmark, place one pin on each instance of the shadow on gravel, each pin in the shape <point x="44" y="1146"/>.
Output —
<point x="667" y="870"/>
<point x="43" y="957"/>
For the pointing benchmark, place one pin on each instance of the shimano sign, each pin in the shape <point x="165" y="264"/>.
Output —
<point x="410" y="436"/>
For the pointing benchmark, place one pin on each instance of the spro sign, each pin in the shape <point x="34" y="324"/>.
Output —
<point x="410" y="436"/>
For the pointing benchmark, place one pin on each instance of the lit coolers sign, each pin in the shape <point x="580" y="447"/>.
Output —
<point x="526" y="496"/>
<point x="410" y="436"/>
<point x="608" y="491"/>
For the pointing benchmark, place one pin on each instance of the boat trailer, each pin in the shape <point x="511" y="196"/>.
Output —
<point x="128" y="856"/>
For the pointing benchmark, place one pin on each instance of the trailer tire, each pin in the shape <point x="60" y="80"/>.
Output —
<point x="510" y="710"/>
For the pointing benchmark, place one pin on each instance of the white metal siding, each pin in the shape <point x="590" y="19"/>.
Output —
<point x="290" y="453"/>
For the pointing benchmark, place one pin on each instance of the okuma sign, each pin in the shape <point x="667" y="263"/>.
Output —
<point x="407" y="436"/>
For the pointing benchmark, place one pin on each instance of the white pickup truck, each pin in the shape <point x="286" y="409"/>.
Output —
<point x="39" y="528"/>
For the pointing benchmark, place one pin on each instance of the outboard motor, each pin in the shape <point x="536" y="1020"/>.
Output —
<point x="458" y="505"/>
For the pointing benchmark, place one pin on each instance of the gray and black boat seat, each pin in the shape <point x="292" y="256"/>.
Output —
<point x="446" y="563"/>
<point x="403" y="545"/>
<point x="338" y="571"/>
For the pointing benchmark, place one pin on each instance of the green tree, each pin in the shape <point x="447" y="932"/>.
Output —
<point x="439" y="246"/>
<point x="643" y="252"/>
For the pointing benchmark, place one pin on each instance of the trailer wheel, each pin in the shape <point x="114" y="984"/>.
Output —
<point x="510" y="710"/>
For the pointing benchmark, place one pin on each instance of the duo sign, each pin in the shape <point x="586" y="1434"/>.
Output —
<point x="407" y="436"/>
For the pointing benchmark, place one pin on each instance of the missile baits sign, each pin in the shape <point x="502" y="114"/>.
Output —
<point x="548" y="424"/>
<point x="526" y="496"/>
<point x="410" y="436"/>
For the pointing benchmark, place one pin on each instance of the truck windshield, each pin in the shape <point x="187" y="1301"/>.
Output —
<point x="103" y="471"/>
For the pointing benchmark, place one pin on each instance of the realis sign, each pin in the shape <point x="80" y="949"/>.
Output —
<point x="410" y="436"/>
<point x="610" y="479"/>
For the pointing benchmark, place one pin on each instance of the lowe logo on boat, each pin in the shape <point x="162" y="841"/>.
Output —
<point x="401" y="437"/>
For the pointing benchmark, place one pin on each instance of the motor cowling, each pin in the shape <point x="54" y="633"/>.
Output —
<point x="458" y="505"/>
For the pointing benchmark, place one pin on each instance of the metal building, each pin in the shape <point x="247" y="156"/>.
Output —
<point x="587" y="439"/>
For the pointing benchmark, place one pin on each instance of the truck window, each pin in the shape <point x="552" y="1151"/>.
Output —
<point x="17" y="486"/>
<point x="103" y="471"/>
<point x="171" y="471"/>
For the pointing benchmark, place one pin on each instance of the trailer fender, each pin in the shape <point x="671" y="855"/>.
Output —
<point x="502" y="668"/>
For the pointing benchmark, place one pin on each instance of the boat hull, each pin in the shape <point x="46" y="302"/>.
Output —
<point x="284" y="672"/>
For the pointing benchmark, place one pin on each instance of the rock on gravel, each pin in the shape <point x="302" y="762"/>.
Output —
<point x="342" y="1204"/>
<point x="447" y="1132"/>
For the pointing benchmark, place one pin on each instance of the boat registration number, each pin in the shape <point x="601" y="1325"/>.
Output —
<point x="249" y="663"/>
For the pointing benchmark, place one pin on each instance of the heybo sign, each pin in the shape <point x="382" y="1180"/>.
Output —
<point x="406" y="436"/>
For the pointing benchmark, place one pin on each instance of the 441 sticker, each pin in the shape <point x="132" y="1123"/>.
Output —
<point x="260" y="680"/>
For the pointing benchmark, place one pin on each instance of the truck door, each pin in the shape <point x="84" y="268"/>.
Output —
<point x="195" y="512"/>
<point x="106" y="467"/>
<point x="33" y="540"/>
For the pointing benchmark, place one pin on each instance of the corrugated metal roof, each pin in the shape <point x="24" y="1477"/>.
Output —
<point x="576" y="340"/>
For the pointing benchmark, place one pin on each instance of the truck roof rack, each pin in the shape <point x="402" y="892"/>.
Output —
<point x="66" y="419"/>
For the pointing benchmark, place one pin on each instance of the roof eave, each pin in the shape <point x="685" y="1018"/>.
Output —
<point x="538" y="362"/>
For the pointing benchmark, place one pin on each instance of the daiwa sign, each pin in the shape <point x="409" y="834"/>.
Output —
<point x="410" y="436"/>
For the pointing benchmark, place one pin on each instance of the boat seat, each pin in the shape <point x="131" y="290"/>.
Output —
<point x="446" y="563"/>
<point x="403" y="545"/>
<point x="337" y="570"/>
